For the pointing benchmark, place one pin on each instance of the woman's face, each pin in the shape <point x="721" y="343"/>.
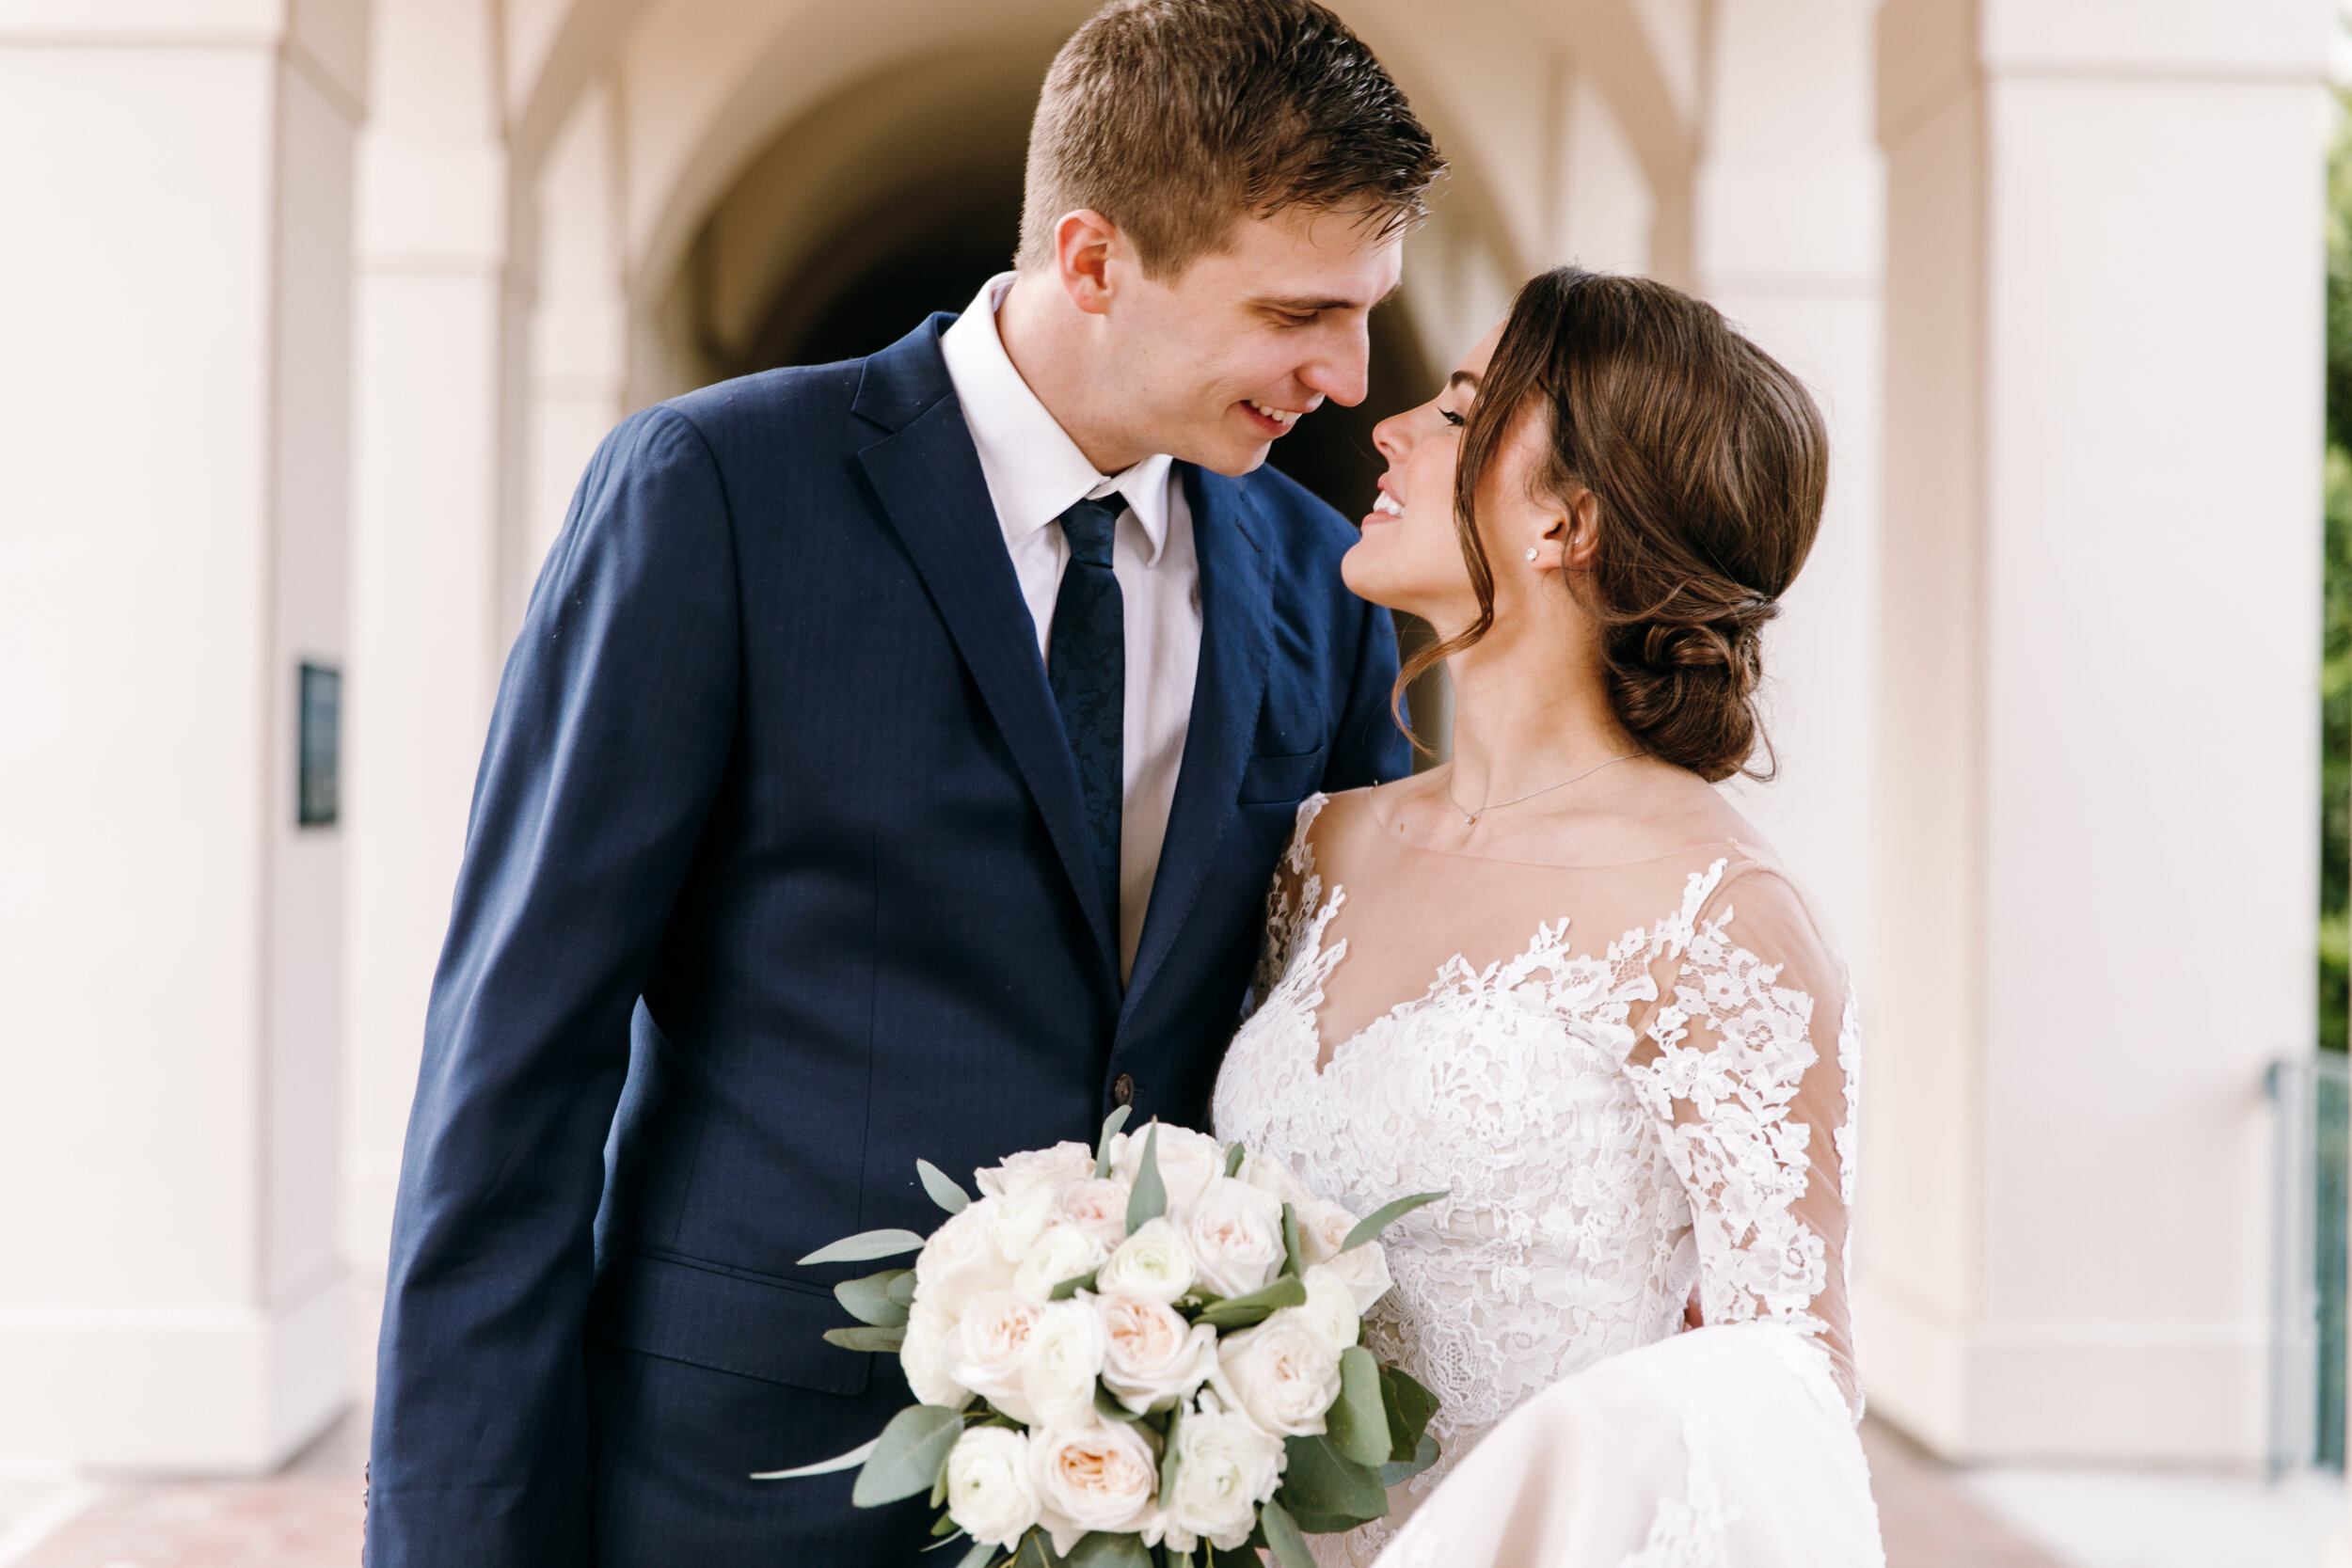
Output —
<point x="1409" y="557"/>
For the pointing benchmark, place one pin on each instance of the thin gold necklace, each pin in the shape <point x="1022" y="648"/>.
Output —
<point x="1469" y="818"/>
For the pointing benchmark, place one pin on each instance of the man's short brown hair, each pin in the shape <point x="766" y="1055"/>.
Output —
<point x="1173" y="118"/>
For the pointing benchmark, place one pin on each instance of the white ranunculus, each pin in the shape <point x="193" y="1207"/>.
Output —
<point x="1062" y="1252"/>
<point x="1226" y="1466"/>
<point x="1283" y="1372"/>
<point x="991" y="1488"/>
<point x="1097" y="1207"/>
<point x="1187" y="1161"/>
<point x="1018" y="1221"/>
<point x="1271" y="1175"/>
<point x="1330" y="1306"/>
<point x="1066" y="1351"/>
<point x="1234" y="1234"/>
<point x="1153" y="1358"/>
<point x="923" y="1357"/>
<point x="1321" y="1226"/>
<point x="988" y="1349"/>
<point x="1098" y="1477"/>
<point x="1050" y="1167"/>
<point x="1152" y="1263"/>
<point x="960" y="1260"/>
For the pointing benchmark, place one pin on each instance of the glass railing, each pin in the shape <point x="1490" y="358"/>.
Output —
<point x="2310" y="1098"/>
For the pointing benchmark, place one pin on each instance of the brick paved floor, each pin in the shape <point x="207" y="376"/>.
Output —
<point x="308" y="1516"/>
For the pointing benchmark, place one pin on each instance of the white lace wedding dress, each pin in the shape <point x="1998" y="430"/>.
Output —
<point x="1633" y="1080"/>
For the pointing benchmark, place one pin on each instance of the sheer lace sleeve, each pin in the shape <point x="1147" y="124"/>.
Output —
<point x="1747" y="1065"/>
<point x="1291" y="901"/>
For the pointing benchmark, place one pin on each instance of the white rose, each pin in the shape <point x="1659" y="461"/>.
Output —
<point x="1066" y="1352"/>
<point x="1063" y="1252"/>
<point x="1099" y="1476"/>
<point x="1234" y="1234"/>
<point x="1330" y="1306"/>
<point x="960" y="1260"/>
<point x="1097" y="1207"/>
<point x="1271" y="1175"/>
<point x="1152" y="1263"/>
<point x="1153" y="1358"/>
<point x="1051" y="1167"/>
<point x="923" y="1357"/>
<point x="1226" y="1466"/>
<point x="1321" y="1226"/>
<point x="1283" y="1372"/>
<point x="1187" y="1161"/>
<point x="1018" y="1221"/>
<point x="991" y="1491"/>
<point x="989" y="1345"/>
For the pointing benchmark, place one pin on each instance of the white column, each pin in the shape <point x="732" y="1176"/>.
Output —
<point x="175" y="180"/>
<point x="2098" y="828"/>
<point x="1789" y="232"/>
<point x="579" y="324"/>
<point x="426" y="578"/>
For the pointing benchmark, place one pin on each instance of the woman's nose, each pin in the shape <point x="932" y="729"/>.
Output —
<point x="1390" y="439"/>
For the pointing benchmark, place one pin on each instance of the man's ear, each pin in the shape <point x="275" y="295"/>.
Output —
<point x="1083" y="243"/>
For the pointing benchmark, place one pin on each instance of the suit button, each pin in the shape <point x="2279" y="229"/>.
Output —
<point x="1122" y="1090"/>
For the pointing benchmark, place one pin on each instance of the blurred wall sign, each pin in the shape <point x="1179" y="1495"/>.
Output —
<point x="318" y="746"/>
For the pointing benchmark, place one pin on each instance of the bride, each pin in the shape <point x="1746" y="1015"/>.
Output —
<point x="1563" y="978"/>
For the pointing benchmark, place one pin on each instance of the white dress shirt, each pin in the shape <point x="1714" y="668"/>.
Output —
<point x="1035" y="473"/>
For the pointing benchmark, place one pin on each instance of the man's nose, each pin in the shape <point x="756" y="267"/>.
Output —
<point x="1342" y="374"/>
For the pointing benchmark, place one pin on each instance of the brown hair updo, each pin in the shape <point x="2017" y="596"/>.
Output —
<point x="1709" y="461"/>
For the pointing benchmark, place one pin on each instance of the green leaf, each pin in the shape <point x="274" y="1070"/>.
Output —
<point x="1424" y="1455"/>
<point x="1069" y="1287"/>
<point x="1111" y="1124"/>
<point x="1409" y="1406"/>
<point x="902" y="1288"/>
<point x="1110" y="1409"/>
<point x="1177" y="1558"/>
<point x="1294" y="1256"/>
<point x="1149" y="1200"/>
<point x="1357" y="1421"/>
<point x="869" y="1300"/>
<point x="979" y="1556"/>
<point x="944" y="1188"/>
<point x="1281" y="1534"/>
<point x="872" y="1341"/>
<point x="824" y="1466"/>
<point x="945" y="1524"/>
<point x="1255" y="1307"/>
<point x="1317" y="1478"/>
<point x="865" y="1246"/>
<point x="1233" y="1152"/>
<point x="1036" y="1551"/>
<point x="1167" y="1455"/>
<point x="1102" y="1549"/>
<point x="909" y="1455"/>
<point x="1384" y="1216"/>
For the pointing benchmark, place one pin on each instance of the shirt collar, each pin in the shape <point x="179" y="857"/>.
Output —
<point x="1035" y="471"/>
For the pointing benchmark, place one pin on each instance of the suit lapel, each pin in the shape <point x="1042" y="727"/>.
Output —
<point x="928" y="476"/>
<point x="1236" y="614"/>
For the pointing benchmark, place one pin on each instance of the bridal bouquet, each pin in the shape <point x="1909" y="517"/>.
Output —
<point x="1131" y="1355"/>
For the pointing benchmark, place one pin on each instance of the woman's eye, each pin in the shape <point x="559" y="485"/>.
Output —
<point x="1450" y="417"/>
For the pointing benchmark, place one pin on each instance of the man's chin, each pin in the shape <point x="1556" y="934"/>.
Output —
<point x="1235" y="464"/>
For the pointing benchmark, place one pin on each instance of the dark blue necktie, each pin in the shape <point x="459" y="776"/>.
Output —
<point x="1088" y="669"/>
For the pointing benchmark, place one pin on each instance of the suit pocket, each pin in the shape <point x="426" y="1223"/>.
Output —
<point x="763" y="1328"/>
<point x="1281" y="781"/>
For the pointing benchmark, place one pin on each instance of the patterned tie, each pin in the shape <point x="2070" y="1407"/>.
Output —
<point x="1087" y="670"/>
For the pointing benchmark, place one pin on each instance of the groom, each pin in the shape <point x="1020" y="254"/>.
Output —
<point x="890" y="765"/>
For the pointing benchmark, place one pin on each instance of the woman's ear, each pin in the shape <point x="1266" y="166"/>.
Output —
<point x="1578" y="533"/>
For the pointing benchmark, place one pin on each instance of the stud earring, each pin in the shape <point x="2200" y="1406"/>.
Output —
<point x="1530" y="552"/>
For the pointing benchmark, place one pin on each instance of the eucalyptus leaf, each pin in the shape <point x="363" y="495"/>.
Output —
<point x="945" y="1524"/>
<point x="865" y="1246"/>
<point x="1357" y="1421"/>
<point x="1409" y="1406"/>
<point x="868" y="1300"/>
<point x="1177" y="1558"/>
<point x="1318" y="1479"/>
<point x="1149" y="1200"/>
<point x="824" y="1466"/>
<point x="1255" y="1307"/>
<point x="1233" y="1152"/>
<point x="1036" y="1551"/>
<point x="1294" y="1256"/>
<point x="1069" y="1287"/>
<point x="1103" y="1549"/>
<point x="1281" y="1534"/>
<point x="903" y="1287"/>
<point x="1384" y="1216"/>
<point x="1406" y="1469"/>
<point x="1167" y="1459"/>
<point x="1111" y="1124"/>
<point x="909" y="1455"/>
<point x="944" y="1189"/>
<point x="875" y="1342"/>
<point x="979" y="1556"/>
<point x="1110" y="1409"/>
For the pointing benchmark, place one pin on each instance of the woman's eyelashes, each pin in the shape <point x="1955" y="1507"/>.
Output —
<point x="1450" y="417"/>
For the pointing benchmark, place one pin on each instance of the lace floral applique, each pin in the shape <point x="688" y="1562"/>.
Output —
<point x="1689" y="1533"/>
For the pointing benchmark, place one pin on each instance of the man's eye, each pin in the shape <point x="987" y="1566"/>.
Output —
<point x="1450" y="417"/>
<point x="1291" y="318"/>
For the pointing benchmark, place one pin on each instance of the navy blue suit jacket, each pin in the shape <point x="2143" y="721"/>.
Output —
<point x="777" y="831"/>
